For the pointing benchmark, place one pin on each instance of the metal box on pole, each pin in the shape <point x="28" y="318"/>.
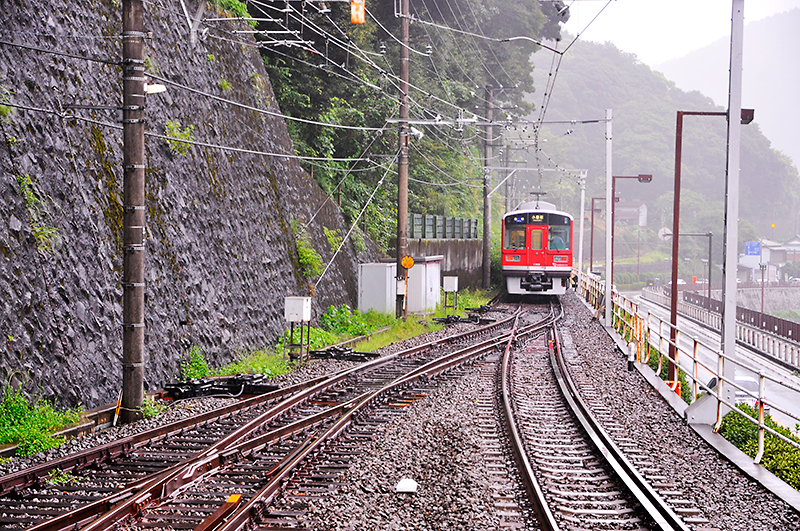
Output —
<point x="297" y="310"/>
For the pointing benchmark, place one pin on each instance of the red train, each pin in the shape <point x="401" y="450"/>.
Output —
<point x="536" y="256"/>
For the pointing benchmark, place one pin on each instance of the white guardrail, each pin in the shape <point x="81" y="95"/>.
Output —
<point x="649" y="335"/>
<point x="775" y="346"/>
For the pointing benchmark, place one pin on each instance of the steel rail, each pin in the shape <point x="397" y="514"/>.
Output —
<point x="130" y="500"/>
<point x="541" y="508"/>
<point x="34" y="475"/>
<point x="663" y="515"/>
<point x="241" y="517"/>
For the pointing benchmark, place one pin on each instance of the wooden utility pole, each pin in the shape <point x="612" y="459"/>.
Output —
<point x="402" y="160"/>
<point x="133" y="203"/>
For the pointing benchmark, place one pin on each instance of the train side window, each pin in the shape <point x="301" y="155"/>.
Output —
<point x="536" y="239"/>
<point x="515" y="237"/>
<point x="558" y="237"/>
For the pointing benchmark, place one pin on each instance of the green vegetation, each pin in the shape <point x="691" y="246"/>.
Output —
<point x="5" y="110"/>
<point x="789" y="315"/>
<point x="225" y="85"/>
<point x="151" y="408"/>
<point x="258" y="81"/>
<point x="30" y="425"/>
<point x="236" y="8"/>
<point x="211" y="57"/>
<point x="336" y="326"/>
<point x="59" y="477"/>
<point x="178" y="137"/>
<point x="265" y="361"/>
<point x="151" y="65"/>
<point x="402" y="330"/>
<point x="366" y="97"/>
<point x="686" y="390"/>
<point x="358" y="241"/>
<point x="37" y="205"/>
<point x="346" y="323"/>
<point x="310" y="261"/>
<point x="467" y="298"/>
<point x="334" y="237"/>
<point x="780" y="457"/>
<point x="196" y="366"/>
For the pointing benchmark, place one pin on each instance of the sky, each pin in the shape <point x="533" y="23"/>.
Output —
<point x="660" y="30"/>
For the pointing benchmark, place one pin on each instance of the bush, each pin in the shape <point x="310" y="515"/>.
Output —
<point x="311" y="265"/>
<point x="151" y="408"/>
<point x="344" y="321"/>
<point x="30" y="425"/>
<point x="196" y="366"/>
<point x="173" y="130"/>
<point x="236" y="8"/>
<point x="780" y="457"/>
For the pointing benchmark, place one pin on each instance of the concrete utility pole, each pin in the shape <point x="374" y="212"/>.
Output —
<point x="487" y="186"/>
<point x="402" y="161"/>
<point x="731" y="244"/>
<point x="580" y="241"/>
<point x="609" y="206"/>
<point x="134" y="213"/>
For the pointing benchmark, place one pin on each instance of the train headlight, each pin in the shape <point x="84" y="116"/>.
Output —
<point x="513" y="258"/>
<point x="560" y="259"/>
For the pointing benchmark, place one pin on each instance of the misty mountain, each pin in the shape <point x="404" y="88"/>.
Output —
<point x="770" y="81"/>
<point x="594" y="77"/>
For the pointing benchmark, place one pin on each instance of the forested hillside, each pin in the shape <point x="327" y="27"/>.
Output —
<point x="594" y="77"/>
<point x="347" y="74"/>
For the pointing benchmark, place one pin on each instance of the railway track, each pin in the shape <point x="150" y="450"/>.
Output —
<point x="262" y="463"/>
<point x="181" y="476"/>
<point x="576" y="476"/>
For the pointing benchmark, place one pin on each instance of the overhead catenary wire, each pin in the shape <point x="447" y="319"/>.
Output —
<point x="367" y="60"/>
<point x="438" y="169"/>
<point x="355" y="222"/>
<point x="391" y="77"/>
<point x="184" y="141"/>
<point x="323" y="124"/>
<point x="339" y="184"/>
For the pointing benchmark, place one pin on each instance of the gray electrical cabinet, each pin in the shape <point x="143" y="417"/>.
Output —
<point x="377" y="287"/>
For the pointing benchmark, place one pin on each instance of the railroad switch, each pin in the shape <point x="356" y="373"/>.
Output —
<point x="342" y="354"/>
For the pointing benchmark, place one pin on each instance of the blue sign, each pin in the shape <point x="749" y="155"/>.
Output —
<point x="752" y="248"/>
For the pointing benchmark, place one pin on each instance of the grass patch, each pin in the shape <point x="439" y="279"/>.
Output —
<point x="196" y="366"/>
<point x="400" y="331"/>
<point x="269" y="362"/>
<point x="789" y="315"/>
<point x="468" y="298"/>
<point x="30" y="425"/>
<point x="152" y="408"/>
<point x="337" y="325"/>
<point x="59" y="477"/>
<point x="780" y="457"/>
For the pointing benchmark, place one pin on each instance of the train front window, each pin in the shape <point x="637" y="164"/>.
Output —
<point x="558" y="237"/>
<point x="515" y="237"/>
